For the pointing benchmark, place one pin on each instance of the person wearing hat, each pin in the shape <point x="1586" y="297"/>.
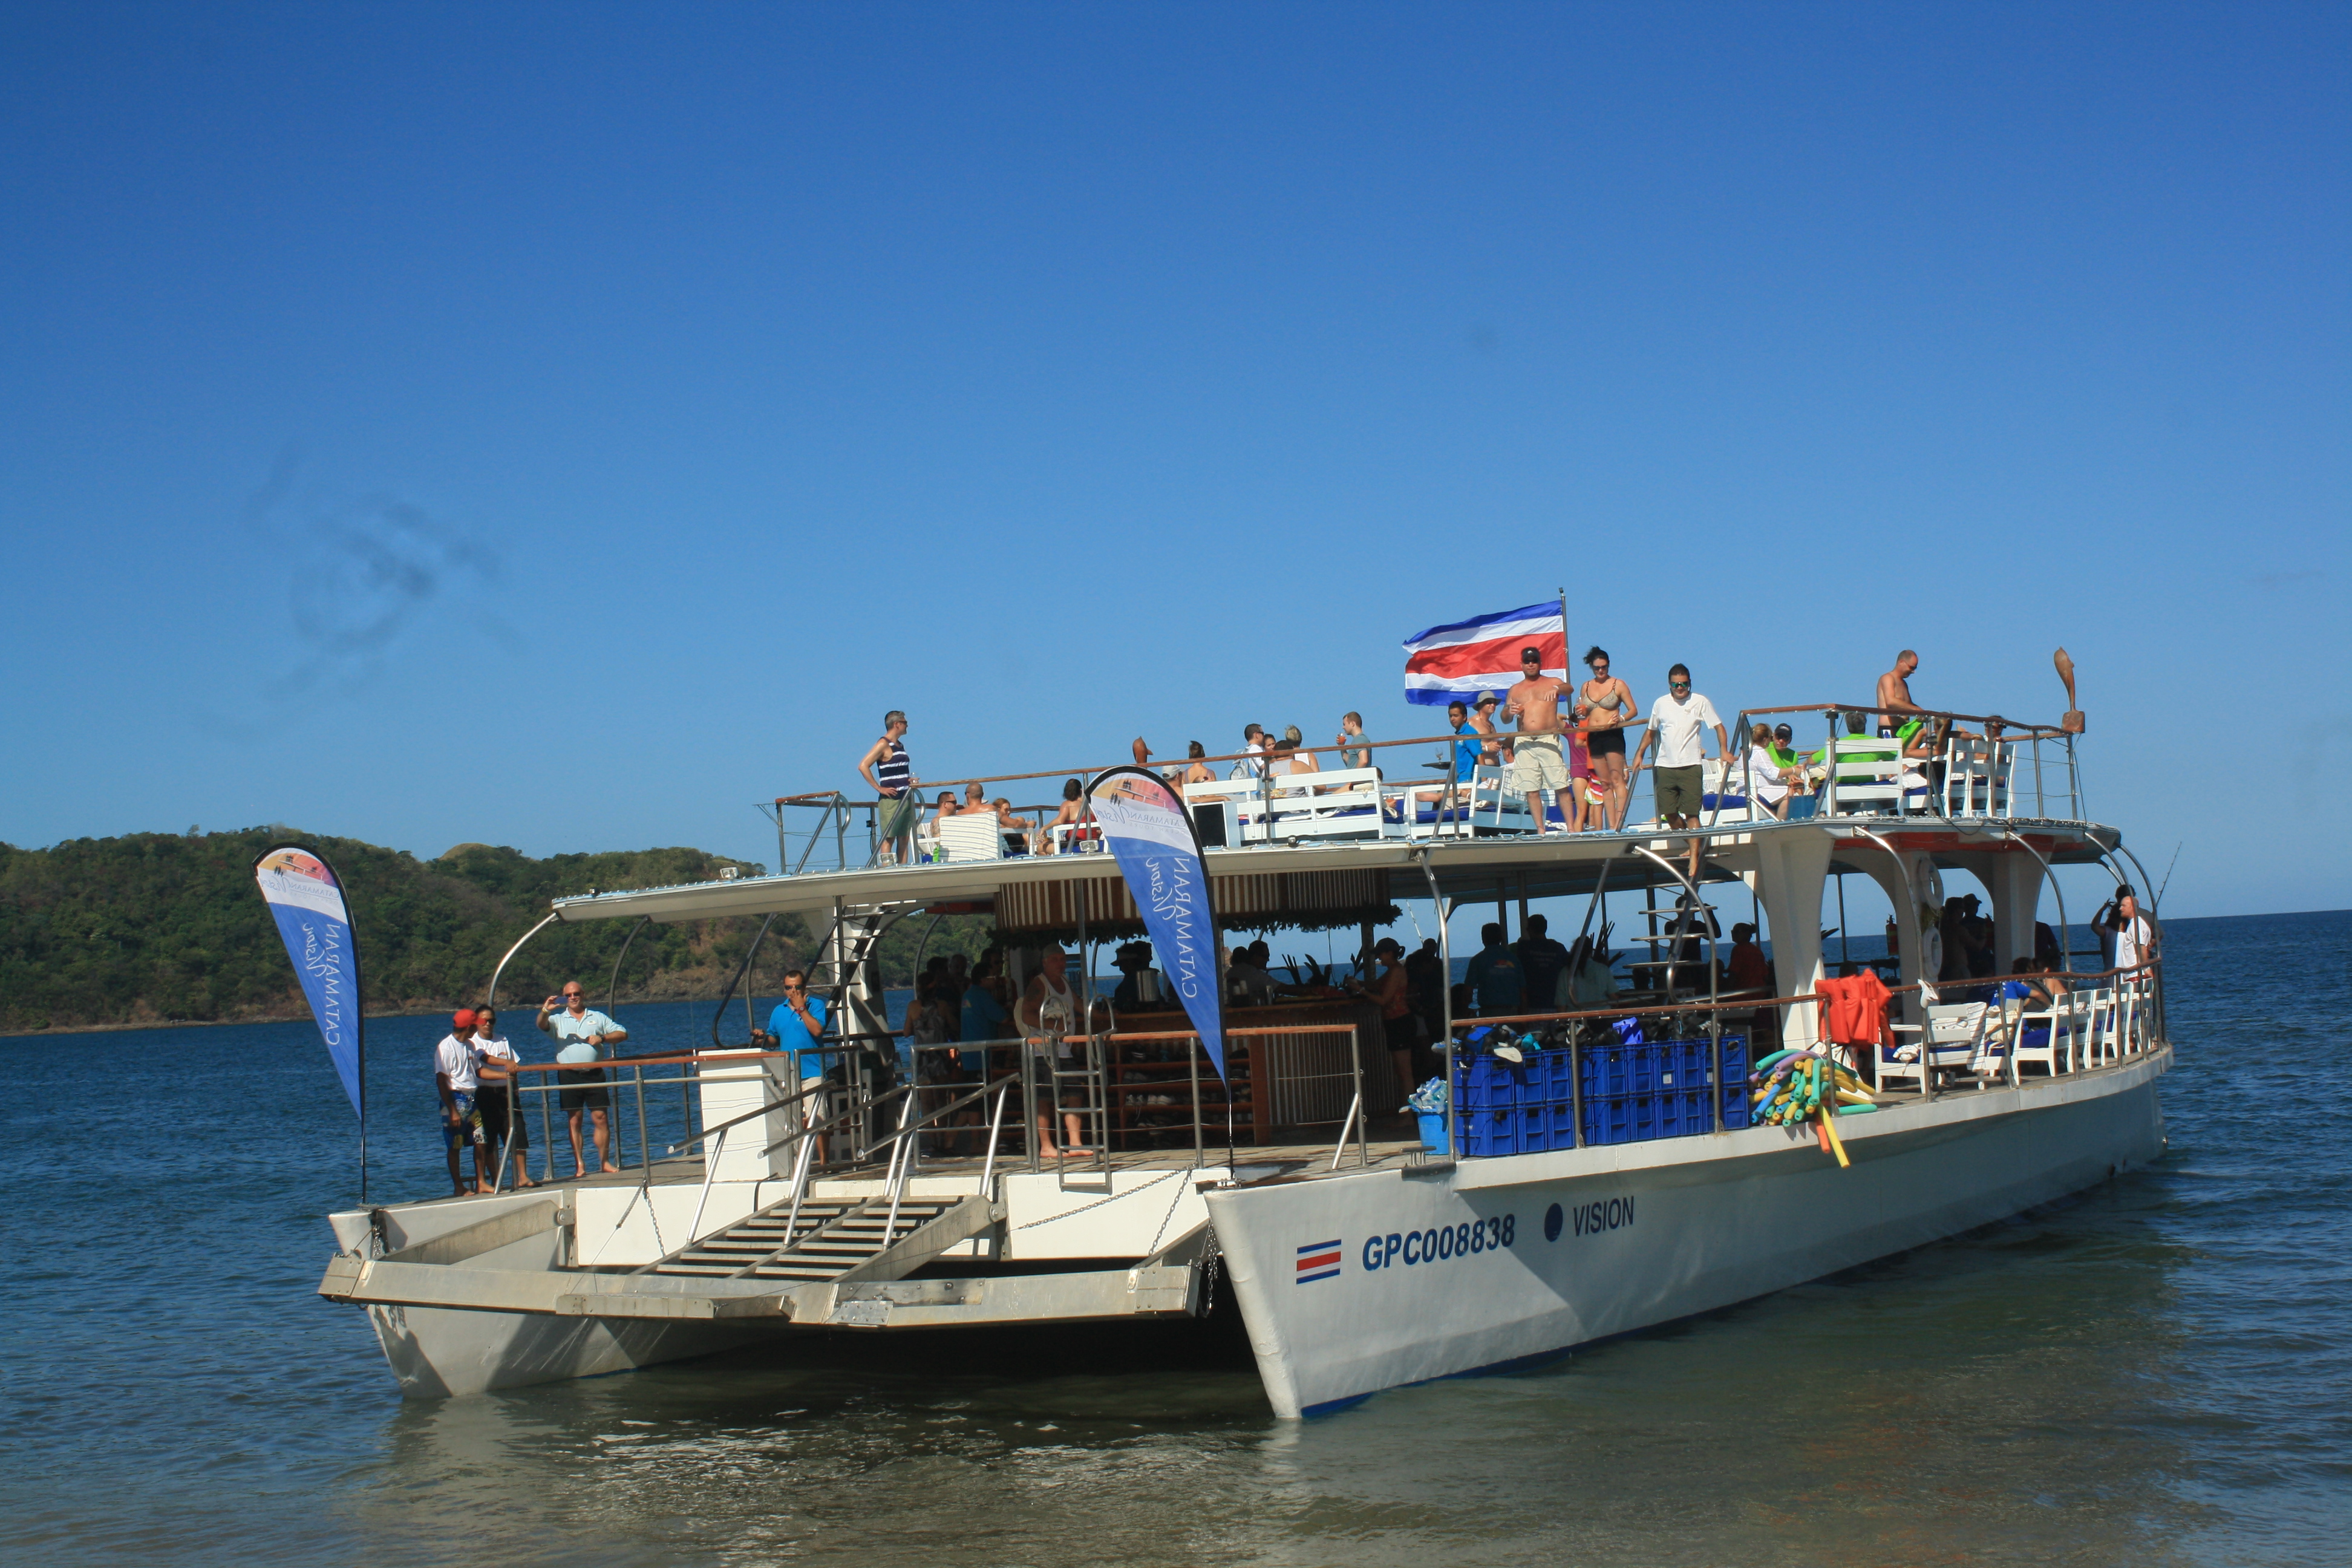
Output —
<point x="461" y="1119"/>
<point x="1491" y="750"/>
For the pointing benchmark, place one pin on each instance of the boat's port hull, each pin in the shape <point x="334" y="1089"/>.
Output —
<point x="437" y="1351"/>
<point x="1538" y="1253"/>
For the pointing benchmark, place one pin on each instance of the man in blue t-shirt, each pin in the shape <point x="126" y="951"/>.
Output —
<point x="1494" y="976"/>
<point x="797" y="1025"/>
<point x="985" y="1017"/>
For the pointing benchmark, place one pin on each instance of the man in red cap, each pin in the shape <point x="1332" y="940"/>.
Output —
<point x="461" y="1119"/>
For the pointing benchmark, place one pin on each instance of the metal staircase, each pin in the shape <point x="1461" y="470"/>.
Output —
<point x="833" y="1239"/>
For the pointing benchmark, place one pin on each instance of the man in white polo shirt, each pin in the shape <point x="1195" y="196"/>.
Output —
<point x="1677" y="722"/>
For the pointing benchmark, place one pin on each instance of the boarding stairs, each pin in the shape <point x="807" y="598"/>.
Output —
<point x="833" y="1239"/>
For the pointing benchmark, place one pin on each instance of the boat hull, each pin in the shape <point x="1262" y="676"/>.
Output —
<point x="438" y="1352"/>
<point x="1537" y="1254"/>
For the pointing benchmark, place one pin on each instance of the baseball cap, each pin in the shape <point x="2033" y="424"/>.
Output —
<point x="463" y="1018"/>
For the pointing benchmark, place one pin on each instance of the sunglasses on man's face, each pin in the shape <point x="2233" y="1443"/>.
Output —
<point x="1679" y="685"/>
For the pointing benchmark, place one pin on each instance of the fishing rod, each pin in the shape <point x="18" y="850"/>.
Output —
<point x="2159" y="905"/>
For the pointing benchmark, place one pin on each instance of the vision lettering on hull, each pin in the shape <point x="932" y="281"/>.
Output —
<point x="1601" y="1214"/>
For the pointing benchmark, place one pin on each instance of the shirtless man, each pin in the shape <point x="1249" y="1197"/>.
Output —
<point x="1895" y="692"/>
<point x="1537" y="762"/>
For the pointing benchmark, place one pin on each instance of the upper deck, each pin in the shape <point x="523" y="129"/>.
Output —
<point x="1328" y="847"/>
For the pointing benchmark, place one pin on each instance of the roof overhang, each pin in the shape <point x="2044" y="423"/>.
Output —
<point x="1472" y="869"/>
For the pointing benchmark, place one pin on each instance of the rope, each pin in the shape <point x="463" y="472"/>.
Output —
<point x="1098" y="1202"/>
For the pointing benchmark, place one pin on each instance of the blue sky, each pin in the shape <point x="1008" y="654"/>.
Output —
<point x="566" y="427"/>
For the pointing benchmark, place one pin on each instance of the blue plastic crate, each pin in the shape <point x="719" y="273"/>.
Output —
<point x="1645" y="1068"/>
<point x="1609" y="1120"/>
<point x="1734" y="1057"/>
<point x="1534" y="1127"/>
<point x="1737" y="1111"/>
<point x="1608" y="1071"/>
<point x="1492" y="1081"/>
<point x="1485" y="1133"/>
<point x="1558" y="1076"/>
<point x="1559" y="1125"/>
<point x="1643" y="1109"/>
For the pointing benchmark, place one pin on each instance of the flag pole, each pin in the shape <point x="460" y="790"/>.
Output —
<point x="1567" y="658"/>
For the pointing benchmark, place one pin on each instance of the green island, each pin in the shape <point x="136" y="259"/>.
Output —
<point x="160" y="928"/>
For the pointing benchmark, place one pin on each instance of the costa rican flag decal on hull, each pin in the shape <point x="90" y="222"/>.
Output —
<point x="1318" y="1260"/>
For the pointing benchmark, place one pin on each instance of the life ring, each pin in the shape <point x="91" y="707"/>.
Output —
<point x="1931" y="953"/>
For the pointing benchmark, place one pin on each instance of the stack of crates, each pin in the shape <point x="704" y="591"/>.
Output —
<point x="1642" y="1090"/>
<point x="1632" y="1093"/>
<point x="1516" y="1109"/>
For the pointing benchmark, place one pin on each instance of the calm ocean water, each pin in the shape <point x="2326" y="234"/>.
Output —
<point x="2159" y="1372"/>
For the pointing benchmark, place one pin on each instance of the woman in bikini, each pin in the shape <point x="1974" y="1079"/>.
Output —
<point x="1608" y="706"/>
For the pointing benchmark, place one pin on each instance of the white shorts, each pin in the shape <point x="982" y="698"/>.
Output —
<point x="1536" y="763"/>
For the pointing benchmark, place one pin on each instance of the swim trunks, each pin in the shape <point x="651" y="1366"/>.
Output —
<point x="466" y="1125"/>
<point x="1536" y="764"/>
<point x="1677" y="790"/>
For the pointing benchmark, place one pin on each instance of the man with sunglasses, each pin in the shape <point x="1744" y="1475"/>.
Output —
<point x="584" y="1032"/>
<point x="798" y="1024"/>
<point x="1537" y="763"/>
<point x="1677" y="722"/>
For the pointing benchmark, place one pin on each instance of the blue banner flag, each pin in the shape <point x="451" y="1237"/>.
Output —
<point x="303" y="893"/>
<point x="1150" y="833"/>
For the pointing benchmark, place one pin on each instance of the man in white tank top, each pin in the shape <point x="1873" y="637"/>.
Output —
<point x="1049" y="1010"/>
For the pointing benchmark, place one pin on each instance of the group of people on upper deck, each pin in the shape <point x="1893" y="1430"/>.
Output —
<point x="1568" y="743"/>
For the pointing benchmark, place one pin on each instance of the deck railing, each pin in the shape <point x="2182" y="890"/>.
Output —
<point x="2006" y="770"/>
<point x="2097" y="1020"/>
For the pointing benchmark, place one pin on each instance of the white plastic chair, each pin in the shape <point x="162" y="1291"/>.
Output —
<point x="973" y="838"/>
<point x="1955" y="1040"/>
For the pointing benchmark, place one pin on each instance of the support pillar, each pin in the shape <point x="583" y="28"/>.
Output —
<point x="1790" y="870"/>
<point x="1906" y="885"/>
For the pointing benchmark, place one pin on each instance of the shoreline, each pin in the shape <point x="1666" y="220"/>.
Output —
<point x="190" y="1024"/>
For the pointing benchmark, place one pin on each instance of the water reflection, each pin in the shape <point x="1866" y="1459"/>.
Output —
<point x="1997" y="1398"/>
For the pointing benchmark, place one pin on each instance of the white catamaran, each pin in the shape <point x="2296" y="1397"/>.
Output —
<point x="1619" y="1175"/>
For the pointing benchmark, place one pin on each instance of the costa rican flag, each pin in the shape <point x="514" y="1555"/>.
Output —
<point x="1457" y="662"/>
<point x="1318" y="1260"/>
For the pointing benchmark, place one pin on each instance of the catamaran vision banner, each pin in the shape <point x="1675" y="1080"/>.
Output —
<point x="308" y="901"/>
<point x="1150" y="833"/>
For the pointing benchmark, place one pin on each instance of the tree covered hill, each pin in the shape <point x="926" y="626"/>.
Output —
<point x="153" y="927"/>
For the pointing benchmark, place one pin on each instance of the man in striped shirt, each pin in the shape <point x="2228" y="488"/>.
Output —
<point x="891" y="771"/>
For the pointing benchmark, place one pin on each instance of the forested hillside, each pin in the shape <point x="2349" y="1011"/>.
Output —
<point x="156" y="927"/>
